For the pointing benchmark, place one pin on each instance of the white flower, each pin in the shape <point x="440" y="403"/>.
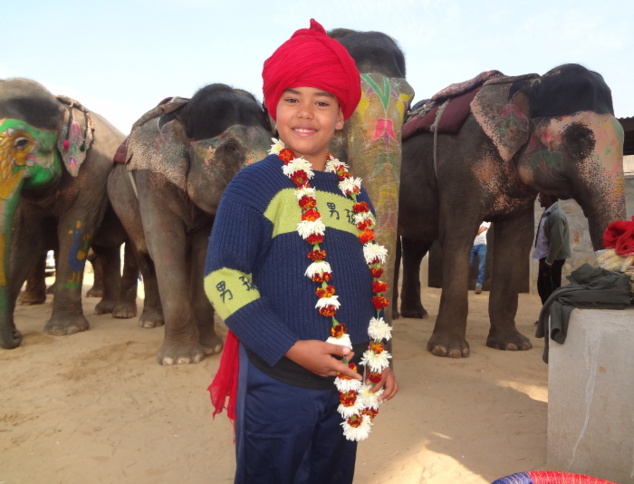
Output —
<point x="305" y="191"/>
<point x="374" y="251"/>
<point x="354" y="409"/>
<point x="377" y="362"/>
<point x="307" y="228"/>
<point x="361" y="432"/>
<point x="343" y="340"/>
<point x="298" y="164"/>
<point x="350" y="185"/>
<point x="370" y="400"/>
<point x="379" y="329"/>
<point x="347" y="384"/>
<point x="362" y="217"/>
<point x="278" y="145"/>
<point x="318" y="267"/>
<point x="323" y="302"/>
<point x="333" y="163"/>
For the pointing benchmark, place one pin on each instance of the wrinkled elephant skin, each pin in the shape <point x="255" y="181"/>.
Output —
<point x="524" y="135"/>
<point x="181" y="156"/>
<point x="55" y="157"/>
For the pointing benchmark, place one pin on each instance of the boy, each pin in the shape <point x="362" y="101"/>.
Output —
<point x="293" y="326"/>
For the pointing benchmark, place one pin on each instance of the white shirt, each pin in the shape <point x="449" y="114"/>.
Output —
<point x="482" y="238"/>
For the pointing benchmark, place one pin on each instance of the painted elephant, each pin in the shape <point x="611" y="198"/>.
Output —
<point x="371" y="139"/>
<point x="180" y="157"/>
<point x="554" y="134"/>
<point x="55" y="158"/>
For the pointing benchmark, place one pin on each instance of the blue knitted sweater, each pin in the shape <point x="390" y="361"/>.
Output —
<point x="256" y="263"/>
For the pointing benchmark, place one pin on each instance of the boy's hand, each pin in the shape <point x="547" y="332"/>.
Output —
<point x="388" y="383"/>
<point x="316" y="356"/>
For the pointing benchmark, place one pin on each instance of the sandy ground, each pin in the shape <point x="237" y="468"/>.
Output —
<point x="96" y="407"/>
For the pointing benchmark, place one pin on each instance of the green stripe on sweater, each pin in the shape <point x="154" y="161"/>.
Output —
<point x="336" y="212"/>
<point x="229" y="290"/>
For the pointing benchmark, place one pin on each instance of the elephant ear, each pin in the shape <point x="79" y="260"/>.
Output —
<point x="502" y="111"/>
<point x="75" y="135"/>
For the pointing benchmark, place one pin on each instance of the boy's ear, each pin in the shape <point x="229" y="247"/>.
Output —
<point x="340" y="119"/>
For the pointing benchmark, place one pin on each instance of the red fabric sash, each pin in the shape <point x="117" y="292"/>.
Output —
<point x="619" y="236"/>
<point x="225" y="383"/>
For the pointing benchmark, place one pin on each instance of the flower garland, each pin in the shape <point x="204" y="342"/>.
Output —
<point x="357" y="404"/>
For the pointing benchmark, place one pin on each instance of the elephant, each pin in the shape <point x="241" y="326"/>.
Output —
<point x="554" y="134"/>
<point x="371" y="139"/>
<point x="179" y="157"/>
<point x="55" y="158"/>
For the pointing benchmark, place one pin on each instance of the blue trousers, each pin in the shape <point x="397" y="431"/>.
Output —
<point x="480" y="251"/>
<point x="287" y="434"/>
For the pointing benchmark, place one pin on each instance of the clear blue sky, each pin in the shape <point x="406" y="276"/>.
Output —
<point x="120" y="58"/>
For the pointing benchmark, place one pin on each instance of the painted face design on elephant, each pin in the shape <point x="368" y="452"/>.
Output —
<point x="22" y="145"/>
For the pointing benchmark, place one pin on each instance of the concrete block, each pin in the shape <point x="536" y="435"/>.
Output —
<point x="591" y="396"/>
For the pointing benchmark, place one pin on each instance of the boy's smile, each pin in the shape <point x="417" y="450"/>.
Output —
<point x="306" y="122"/>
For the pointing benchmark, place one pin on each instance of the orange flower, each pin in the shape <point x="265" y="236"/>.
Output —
<point x="374" y="377"/>
<point x="376" y="348"/>
<point x="376" y="272"/>
<point x="313" y="239"/>
<point x="286" y="155"/>
<point x="299" y="178"/>
<point x="311" y="215"/>
<point x="355" y="421"/>
<point x="325" y="277"/>
<point x="317" y="255"/>
<point x="380" y="302"/>
<point x="379" y="287"/>
<point x="337" y="331"/>
<point x="361" y="207"/>
<point x="367" y="223"/>
<point x="370" y="412"/>
<point x="307" y="202"/>
<point x="347" y="399"/>
<point x="328" y="311"/>
<point x="366" y="236"/>
<point x="328" y="291"/>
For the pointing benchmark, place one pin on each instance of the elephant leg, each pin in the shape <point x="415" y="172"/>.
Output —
<point x="35" y="291"/>
<point x="168" y="244"/>
<point x="152" y="315"/>
<point x="413" y="253"/>
<point x="125" y="307"/>
<point x="513" y="239"/>
<point x="98" y="271"/>
<point x="449" y="335"/>
<point x="203" y="310"/>
<point x="108" y="267"/>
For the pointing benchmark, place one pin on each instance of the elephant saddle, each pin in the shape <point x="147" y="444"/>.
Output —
<point x="163" y="109"/>
<point x="446" y="110"/>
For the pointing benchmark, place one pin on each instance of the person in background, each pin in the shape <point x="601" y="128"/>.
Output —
<point x="552" y="246"/>
<point x="479" y="250"/>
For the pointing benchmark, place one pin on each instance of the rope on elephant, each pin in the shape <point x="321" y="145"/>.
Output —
<point x="434" y="129"/>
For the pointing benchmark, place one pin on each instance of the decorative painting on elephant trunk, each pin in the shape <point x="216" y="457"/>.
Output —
<point x="372" y="140"/>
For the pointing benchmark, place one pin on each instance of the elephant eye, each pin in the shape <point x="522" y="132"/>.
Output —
<point x="22" y="143"/>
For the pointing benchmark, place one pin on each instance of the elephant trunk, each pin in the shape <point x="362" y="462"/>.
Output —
<point x="10" y="189"/>
<point x="600" y="214"/>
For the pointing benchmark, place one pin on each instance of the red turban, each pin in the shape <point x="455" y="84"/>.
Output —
<point x="312" y="59"/>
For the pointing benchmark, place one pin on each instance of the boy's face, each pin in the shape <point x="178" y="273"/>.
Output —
<point x="306" y="122"/>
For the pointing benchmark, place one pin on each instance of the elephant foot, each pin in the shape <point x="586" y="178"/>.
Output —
<point x="415" y="313"/>
<point x="180" y="354"/>
<point x="510" y="340"/>
<point x="66" y="325"/>
<point x="451" y="346"/>
<point x="151" y="318"/>
<point x="27" y="298"/>
<point x="124" y="310"/>
<point x="95" y="291"/>
<point x="212" y="344"/>
<point x="105" y="306"/>
<point x="13" y="341"/>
